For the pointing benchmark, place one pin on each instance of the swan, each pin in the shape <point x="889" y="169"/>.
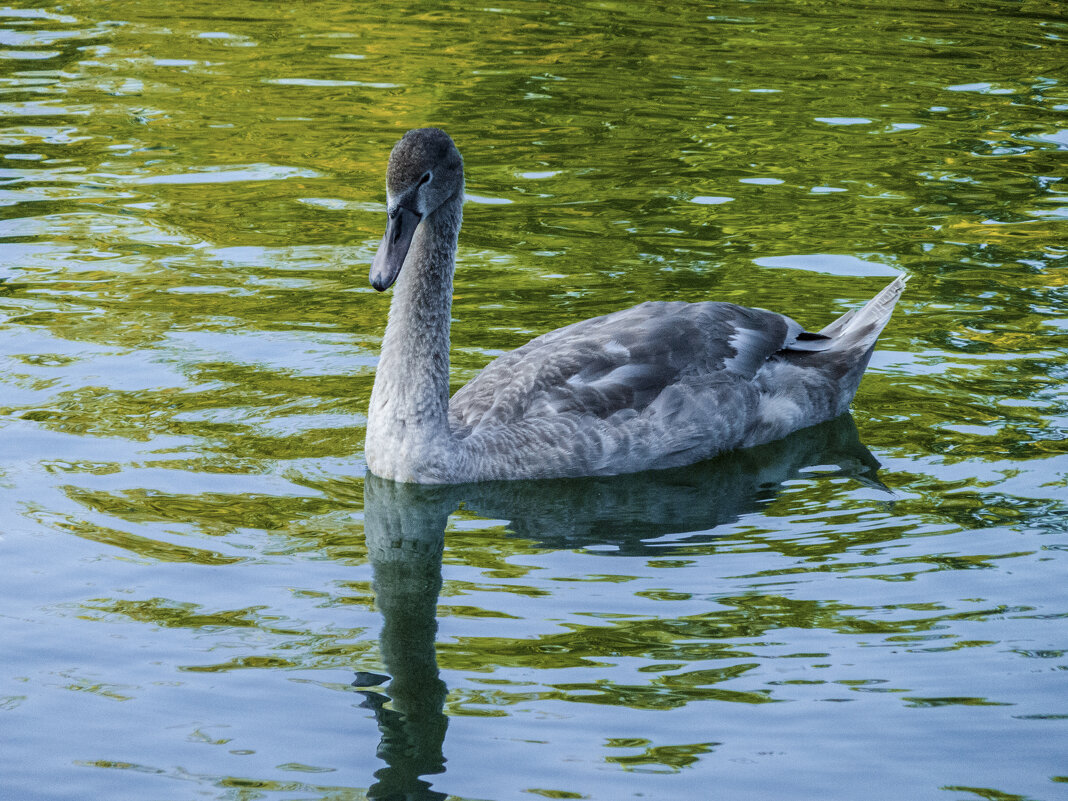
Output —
<point x="662" y="384"/>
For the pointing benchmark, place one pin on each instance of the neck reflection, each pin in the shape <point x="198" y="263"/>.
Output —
<point x="404" y="526"/>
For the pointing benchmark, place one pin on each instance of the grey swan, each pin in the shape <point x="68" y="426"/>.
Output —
<point x="662" y="384"/>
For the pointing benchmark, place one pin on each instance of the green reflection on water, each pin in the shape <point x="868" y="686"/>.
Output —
<point x="191" y="195"/>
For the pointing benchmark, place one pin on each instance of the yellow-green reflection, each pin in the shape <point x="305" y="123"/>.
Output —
<point x="190" y="196"/>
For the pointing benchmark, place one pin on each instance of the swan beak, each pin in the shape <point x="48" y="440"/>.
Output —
<point x="394" y="247"/>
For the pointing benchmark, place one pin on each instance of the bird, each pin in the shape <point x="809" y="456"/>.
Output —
<point x="662" y="384"/>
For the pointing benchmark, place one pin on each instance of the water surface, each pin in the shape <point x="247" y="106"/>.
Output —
<point x="204" y="597"/>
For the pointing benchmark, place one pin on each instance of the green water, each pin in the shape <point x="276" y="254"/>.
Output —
<point x="195" y="571"/>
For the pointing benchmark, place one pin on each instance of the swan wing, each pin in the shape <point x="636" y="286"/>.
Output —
<point x="625" y="361"/>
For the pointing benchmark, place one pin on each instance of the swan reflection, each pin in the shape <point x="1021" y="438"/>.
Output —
<point x="405" y="530"/>
<point x="405" y="526"/>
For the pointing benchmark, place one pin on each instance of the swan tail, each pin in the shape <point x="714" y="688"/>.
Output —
<point x="842" y="350"/>
<point x="859" y="328"/>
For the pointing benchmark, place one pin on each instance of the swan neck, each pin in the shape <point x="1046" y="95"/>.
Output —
<point x="410" y="400"/>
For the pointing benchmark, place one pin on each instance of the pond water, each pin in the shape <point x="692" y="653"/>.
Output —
<point x="202" y="595"/>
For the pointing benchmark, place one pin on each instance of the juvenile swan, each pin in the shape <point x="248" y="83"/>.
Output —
<point x="660" y="385"/>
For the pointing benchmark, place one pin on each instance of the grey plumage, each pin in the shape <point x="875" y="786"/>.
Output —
<point x="405" y="522"/>
<point x="661" y="384"/>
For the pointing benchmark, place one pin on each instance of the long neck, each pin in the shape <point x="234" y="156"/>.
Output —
<point x="410" y="399"/>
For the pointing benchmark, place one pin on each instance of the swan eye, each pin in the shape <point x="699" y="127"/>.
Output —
<point x="425" y="179"/>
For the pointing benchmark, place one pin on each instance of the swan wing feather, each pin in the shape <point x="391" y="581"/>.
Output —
<point x="626" y="362"/>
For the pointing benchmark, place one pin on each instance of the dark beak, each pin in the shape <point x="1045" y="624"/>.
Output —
<point x="390" y="257"/>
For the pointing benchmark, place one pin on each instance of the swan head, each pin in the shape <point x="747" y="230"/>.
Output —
<point x="425" y="170"/>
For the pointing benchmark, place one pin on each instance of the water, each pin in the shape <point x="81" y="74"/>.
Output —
<point x="195" y="570"/>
